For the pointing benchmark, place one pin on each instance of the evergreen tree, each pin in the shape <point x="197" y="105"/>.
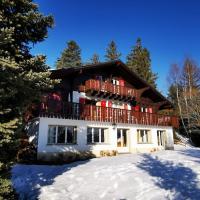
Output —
<point x="95" y="59"/>
<point x="22" y="75"/>
<point x="70" y="57"/>
<point x="172" y="96"/>
<point x="112" y="52"/>
<point x="139" y="61"/>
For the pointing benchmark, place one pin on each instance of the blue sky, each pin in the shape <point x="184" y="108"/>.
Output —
<point x="169" y="29"/>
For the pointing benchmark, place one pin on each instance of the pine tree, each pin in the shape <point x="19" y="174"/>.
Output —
<point x="138" y="60"/>
<point x="22" y="76"/>
<point x="70" y="57"/>
<point x="95" y="59"/>
<point x="112" y="52"/>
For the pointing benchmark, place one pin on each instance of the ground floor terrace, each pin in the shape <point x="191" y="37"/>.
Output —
<point x="56" y="136"/>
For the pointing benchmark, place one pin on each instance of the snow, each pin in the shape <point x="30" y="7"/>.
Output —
<point x="160" y="175"/>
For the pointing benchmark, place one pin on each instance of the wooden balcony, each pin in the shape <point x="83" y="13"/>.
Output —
<point x="104" y="114"/>
<point x="99" y="88"/>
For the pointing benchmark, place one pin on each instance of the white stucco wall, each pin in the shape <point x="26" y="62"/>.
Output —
<point x="82" y="145"/>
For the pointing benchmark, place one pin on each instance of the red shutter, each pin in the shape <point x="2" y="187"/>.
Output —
<point x="137" y="108"/>
<point x="150" y="110"/>
<point x="103" y="103"/>
<point x="109" y="103"/>
<point x="121" y="82"/>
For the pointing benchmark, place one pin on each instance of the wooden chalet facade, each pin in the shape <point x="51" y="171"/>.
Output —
<point x="103" y="107"/>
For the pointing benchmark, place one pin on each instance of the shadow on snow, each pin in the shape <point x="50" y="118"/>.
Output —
<point x="192" y="153"/>
<point x="36" y="177"/>
<point x="179" y="180"/>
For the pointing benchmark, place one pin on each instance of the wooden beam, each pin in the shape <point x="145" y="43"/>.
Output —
<point x="159" y="104"/>
<point x="140" y="92"/>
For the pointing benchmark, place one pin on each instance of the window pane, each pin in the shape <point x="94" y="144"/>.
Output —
<point x="142" y="135"/>
<point x="71" y="134"/>
<point x="75" y="135"/>
<point x="52" y="135"/>
<point x="61" y="134"/>
<point x="146" y="137"/>
<point x="124" y="138"/>
<point x="158" y="137"/>
<point x="89" y="135"/>
<point x="102" y="135"/>
<point x="96" y="134"/>
<point x="161" y="138"/>
<point x="119" y="140"/>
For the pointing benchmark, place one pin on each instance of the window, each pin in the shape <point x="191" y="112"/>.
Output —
<point x="89" y="135"/>
<point x="144" y="136"/>
<point x="97" y="135"/>
<point x="71" y="135"/>
<point x="62" y="135"/>
<point x="160" y="137"/>
<point x="52" y="134"/>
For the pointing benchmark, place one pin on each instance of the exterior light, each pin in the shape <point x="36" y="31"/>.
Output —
<point x="114" y="126"/>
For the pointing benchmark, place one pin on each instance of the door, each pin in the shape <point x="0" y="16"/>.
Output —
<point x="122" y="140"/>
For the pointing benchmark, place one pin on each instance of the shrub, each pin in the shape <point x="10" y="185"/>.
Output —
<point x="27" y="152"/>
<point x="108" y="153"/>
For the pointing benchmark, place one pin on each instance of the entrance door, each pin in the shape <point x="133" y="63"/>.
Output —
<point x="122" y="140"/>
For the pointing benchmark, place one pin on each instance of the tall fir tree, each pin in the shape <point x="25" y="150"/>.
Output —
<point x="95" y="59"/>
<point x="70" y="57"/>
<point x="138" y="60"/>
<point x="111" y="52"/>
<point x="22" y="76"/>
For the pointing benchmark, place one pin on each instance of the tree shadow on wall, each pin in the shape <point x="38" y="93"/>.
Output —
<point x="179" y="180"/>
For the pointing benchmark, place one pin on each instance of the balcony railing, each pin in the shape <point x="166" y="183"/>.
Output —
<point x="105" y="114"/>
<point x="108" y="87"/>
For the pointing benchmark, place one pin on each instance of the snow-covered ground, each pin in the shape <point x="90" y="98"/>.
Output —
<point x="159" y="175"/>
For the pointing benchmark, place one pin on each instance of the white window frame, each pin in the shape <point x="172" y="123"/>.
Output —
<point x="160" y="137"/>
<point x="92" y="132"/>
<point x="146" y="139"/>
<point x="122" y="138"/>
<point x="56" y="136"/>
<point x="48" y="134"/>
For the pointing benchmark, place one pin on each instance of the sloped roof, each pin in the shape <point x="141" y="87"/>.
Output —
<point x="125" y="72"/>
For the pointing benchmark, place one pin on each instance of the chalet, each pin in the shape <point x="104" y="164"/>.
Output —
<point x="103" y="108"/>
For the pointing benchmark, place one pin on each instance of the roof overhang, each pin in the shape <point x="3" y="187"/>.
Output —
<point x="124" y="71"/>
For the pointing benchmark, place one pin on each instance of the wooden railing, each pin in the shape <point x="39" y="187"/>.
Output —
<point x="108" y="87"/>
<point x="106" y="114"/>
